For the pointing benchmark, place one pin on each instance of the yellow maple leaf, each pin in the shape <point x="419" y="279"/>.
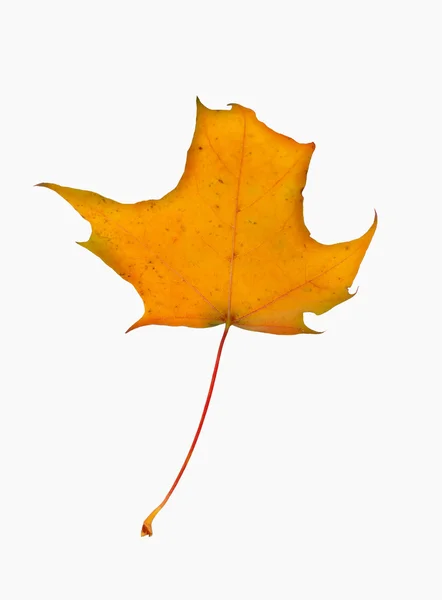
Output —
<point x="229" y="244"/>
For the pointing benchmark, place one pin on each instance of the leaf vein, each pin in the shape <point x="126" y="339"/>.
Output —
<point x="272" y="186"/>
<point x="235" y="222"/>
<point x="165" y="264"/>
<point x="267" y="304"/>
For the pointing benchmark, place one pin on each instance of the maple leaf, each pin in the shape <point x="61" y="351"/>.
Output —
<point x="229" y="244"/>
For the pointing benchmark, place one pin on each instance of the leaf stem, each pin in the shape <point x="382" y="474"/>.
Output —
<point x="147" y="525"/>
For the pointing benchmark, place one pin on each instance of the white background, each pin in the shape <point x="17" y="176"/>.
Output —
<point x="318" y="473"/>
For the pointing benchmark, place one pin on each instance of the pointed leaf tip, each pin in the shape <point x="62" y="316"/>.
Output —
<point x="49" y="186"/>
<point x="235" y="106"/>
<point x="200" y="105"/>
<point x="353" y="294"/>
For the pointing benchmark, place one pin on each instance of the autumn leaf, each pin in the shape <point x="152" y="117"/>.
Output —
<point x="229" y="244"/>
